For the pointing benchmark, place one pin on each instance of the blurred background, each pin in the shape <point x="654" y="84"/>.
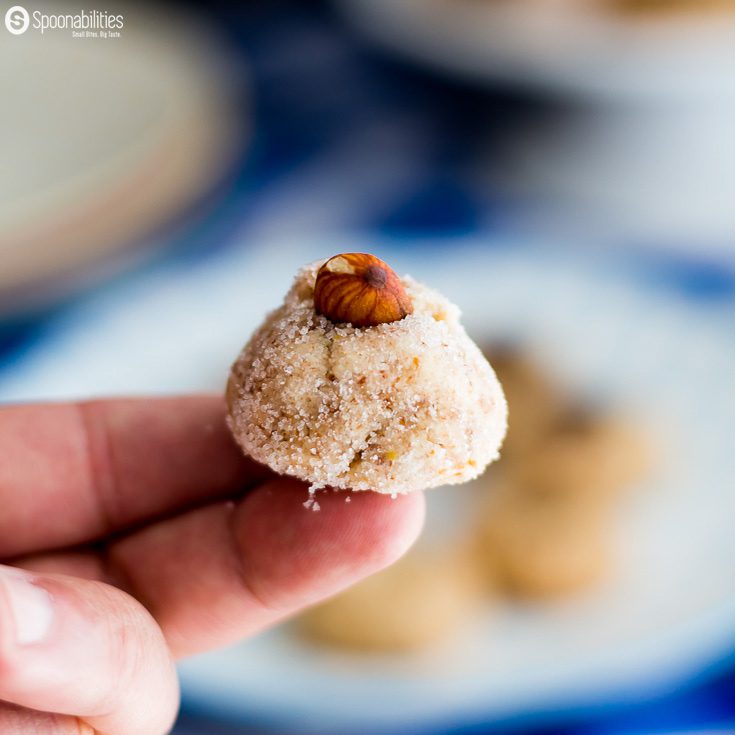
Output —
<point x="564" y="170"/>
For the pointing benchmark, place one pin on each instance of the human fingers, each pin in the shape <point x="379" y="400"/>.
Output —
<point x="73" y="472"/>
<point x="85" y="649"/>
<point x="216" y="574"/>
<point x="23" y="721"/>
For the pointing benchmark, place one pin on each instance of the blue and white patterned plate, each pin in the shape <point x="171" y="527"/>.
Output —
<point x="611" y="328"/>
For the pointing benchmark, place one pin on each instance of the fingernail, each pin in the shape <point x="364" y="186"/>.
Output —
<point x="30" y="606"/>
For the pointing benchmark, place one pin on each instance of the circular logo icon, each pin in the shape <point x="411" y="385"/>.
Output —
<point x="17" y="20"/>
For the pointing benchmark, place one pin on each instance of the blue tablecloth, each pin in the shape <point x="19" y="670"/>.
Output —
<point x="346" y="139"/>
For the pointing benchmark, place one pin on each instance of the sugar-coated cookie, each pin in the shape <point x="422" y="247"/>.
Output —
<point x="391" y="407"/>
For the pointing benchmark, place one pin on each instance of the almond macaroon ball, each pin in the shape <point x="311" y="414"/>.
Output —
<point x="422" y="600"/>
<point x="365" y="381"/>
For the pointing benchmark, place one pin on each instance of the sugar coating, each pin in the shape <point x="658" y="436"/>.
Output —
<point x="393" y="408"/>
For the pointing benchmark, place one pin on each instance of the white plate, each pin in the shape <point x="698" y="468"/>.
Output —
<point x="647" y="156"/>
<point x="569" y="46"/>
<point x="105" y="142"/>
<point x="608" y="330"/>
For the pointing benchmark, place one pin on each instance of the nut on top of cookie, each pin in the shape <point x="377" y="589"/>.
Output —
<point x="363" y="380"/>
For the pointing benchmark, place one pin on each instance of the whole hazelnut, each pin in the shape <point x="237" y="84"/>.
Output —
<point x="360" y="289"/>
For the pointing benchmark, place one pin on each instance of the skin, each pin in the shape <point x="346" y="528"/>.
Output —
<point x="156" y="539"/>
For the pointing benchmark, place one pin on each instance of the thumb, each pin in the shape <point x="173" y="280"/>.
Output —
<point x="86" y="649"/>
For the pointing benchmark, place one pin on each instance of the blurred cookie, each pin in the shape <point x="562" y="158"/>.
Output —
<point x="586" y="456"/>
<point x="534" y="402"/>
<point x="659" y="7"/>
<point x="539" y="546"/>
<point x="419" y="601"/>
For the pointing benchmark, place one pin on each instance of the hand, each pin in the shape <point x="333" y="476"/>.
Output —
<point x="133" y="532"/>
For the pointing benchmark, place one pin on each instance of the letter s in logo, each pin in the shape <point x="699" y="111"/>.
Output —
<point x="17" y="20"/>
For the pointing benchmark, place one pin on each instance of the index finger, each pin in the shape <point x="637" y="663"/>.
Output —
<point x="74" y="472"/>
